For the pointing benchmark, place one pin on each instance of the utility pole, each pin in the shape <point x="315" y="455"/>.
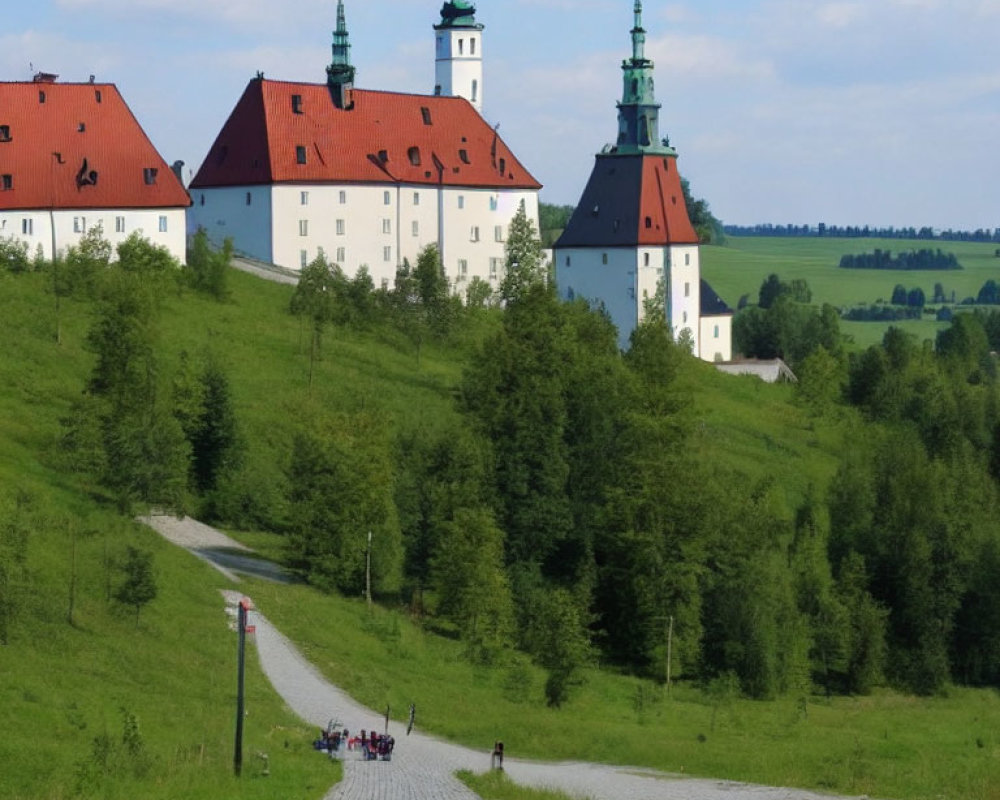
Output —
<point x="243" y="629"/>
<point x="368" y="570"/>
<point x="670" y="647"/>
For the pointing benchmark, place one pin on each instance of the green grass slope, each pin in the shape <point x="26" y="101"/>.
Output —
<point x="64" y="687"/>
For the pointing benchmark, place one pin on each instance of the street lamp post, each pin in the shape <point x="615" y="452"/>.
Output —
<point x="243" y="629"/>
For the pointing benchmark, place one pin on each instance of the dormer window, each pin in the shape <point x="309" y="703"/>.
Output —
<point x="149" y="175"/>
<point x="82" y="127"/>
<point x="296" y="104"/>
<point x="6" y="182"/>
<point x="300" y="154"/>
<point x="97" y="95"/>
<point x="383" y="156"/>
<point x="41" y="97"/>
<point x="649" y="222"/>
<point x="463" y="156"/>
<point x="425" y="112"/>
<point x="414" y="155"/>
<point x="4" y="133"/>
<point x="503" y="166"/>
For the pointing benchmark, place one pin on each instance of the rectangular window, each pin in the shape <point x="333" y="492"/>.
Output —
<point x="303" y="227"/>
<point x="79" y="224"/>
<point x="472" y="46"/>
<point x="461" y="201"/>
<point x="300" y="154"/>
<point x="387" y="226"/>
<point x="716" y="331"/>
<point x="494" y="202"/>
<point x="498" y="233"/>
<point x="119" y="224"/>
<point x="645" y="259"/>
<point x="27" y="227"/>
<point x="304" y="198"/>
<point x="604" y="258"/>
<point x="149" y="175"/>
<point x="387" y="198"/>
<point x="249" y="198"/>
<point x="163" y="224"/>
<point x="687" y="259"/>
<point x="296" y="104"/>
<point x="474" y="234"/>
<point x="416" y="228"/>
<point x="387" y="254"/>
<point x="304" y="258"/>
<point x="463" y="269"/>
<point x="341" y="255"/>
<point x="425" y="112"/>
<point x="494" y="268"/>
<point x="343" y="197"/>
<point x="4" y="133"/>
<point x="416" y="198"/>
<point x="340" y="227"/>
<point x="7" y="182"/>
<point x="687" y="289"/>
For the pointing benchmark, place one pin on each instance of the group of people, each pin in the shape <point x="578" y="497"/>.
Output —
<point x="371" y="745"/>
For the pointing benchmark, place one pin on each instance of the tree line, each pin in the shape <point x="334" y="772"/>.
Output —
<point x="914" y="260"/>
<point x="865" y="232"/>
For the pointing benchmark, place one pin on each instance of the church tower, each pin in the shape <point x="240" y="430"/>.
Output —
<point x="630" y="240"/>
<point x="459" y="53"/>
<point x="340" y="74"/>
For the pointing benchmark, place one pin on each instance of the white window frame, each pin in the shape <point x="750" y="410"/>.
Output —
<point x="163" y="223"/>
<point x="343" y="197"/>
<point x="27" y="227"/>
<point x="304" y="198"/>
<point x="387" y="198"/>
<point x="474" y="234"/>
<point x="304" y="258"/>
<point x="341" y="255"/>
<point x="461" y="201"/>
<point x="340" y="227"/>
<point x="498" y="233"/>
<point x="303" y="227"/>
<point x="79" y="224"/>
<point x="387" y="226"/>
<point x="416" y="227"/>
<point x="119" y="224"/>
<point x="387" y="253"/>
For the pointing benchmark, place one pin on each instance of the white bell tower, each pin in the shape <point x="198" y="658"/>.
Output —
<point x="459" y="54"/>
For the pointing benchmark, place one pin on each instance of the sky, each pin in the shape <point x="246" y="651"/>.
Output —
<point x="877" y="112"/>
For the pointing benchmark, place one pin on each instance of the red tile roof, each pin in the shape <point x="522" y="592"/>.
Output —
<point x="630" y="201"/>
<point x="102" y="151"/>
<point x="386" y="138"/>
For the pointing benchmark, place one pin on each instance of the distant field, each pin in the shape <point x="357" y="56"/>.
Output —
<point x="741" y="266"/>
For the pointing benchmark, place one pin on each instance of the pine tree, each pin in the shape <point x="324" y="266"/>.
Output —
<point x="138" y="588"/>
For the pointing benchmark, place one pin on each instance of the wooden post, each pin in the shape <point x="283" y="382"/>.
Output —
<point x="241" y="663"/>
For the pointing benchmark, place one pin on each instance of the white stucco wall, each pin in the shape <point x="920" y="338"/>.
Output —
<point x="684" y="296"/>
<point x="716" y="338"/>
<point x="605" y="277"/>
<point x="459" y="65"/>
<point x="117" y="225"/>
<point x="224" y="213"/>
<point x="355" y="225"/>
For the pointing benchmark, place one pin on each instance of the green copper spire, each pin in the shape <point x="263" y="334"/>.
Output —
<point x="638" y="111"/>
<point x="458" y="14"/>
<point x="340" y="70"/>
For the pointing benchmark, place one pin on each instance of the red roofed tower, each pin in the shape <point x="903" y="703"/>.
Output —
<point x="631" y="229"/>
<point x="368" y="177"/>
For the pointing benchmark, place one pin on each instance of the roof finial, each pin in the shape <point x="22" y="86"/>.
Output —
<point x="340" y="74"/>
<point x="638" y="35"/>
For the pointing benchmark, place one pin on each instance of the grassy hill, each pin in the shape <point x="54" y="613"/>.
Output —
<point x="741" y="266"/>
<point x="68" y="691"/>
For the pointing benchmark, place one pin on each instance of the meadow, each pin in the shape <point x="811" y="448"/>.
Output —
<point x="739" y="268"/>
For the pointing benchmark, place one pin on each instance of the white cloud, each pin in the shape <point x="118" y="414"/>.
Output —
<point x="840" y="15"/>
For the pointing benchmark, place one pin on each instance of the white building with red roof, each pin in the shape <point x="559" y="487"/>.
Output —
<point x="631" y="234"/>
<point x="72" y="157"/>
<point x="368" y="177"/>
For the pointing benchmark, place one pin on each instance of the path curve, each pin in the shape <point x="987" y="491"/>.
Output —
<point x="423" y="768"/>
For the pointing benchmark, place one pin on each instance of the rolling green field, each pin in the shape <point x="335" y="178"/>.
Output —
<point x="743" y="263"/>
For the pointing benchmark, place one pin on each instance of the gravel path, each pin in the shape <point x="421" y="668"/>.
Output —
<point x="423" y="767"/>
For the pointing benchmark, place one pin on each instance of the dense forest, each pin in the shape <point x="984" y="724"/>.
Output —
<point x="567" y="512"/>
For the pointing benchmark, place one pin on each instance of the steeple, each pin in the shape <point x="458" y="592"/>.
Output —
<point x="459" y="53"/>
<point x="638" y="111"/>
<point x="340" y="74"/>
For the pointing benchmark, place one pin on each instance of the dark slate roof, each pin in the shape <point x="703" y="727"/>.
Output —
<point x="630" y="201"/>
<point x="711" y="304"/>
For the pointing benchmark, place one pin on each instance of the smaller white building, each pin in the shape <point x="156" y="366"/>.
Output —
<point x="630" y="235"/>
<point x="72" y="158"/>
